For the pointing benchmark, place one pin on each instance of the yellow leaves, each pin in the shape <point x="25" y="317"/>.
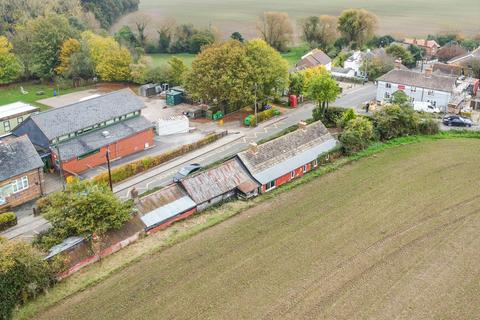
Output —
<point x="69" y="47"/>
<point x="5" y="45"/>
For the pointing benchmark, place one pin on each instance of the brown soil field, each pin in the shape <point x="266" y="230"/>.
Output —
<point x="393" y="236"/>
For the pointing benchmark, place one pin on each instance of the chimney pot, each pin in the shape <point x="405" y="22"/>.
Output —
<point x="253" y="147"/>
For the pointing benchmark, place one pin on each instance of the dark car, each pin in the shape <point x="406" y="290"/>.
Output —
<point x="185" y="171"/>
<point x="456" y="121"/>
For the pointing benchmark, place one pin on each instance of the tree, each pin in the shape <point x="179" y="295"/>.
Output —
<point x="112" y="63"/>
<point x="324" y="90"/>
<point x="394" y="121"/>
<point x="297" y="83"/>
<point x="199" y="40"/>
<point x="48" y="33"/>
<point x="23" y="275"/>
<point x="237" y="36"/>
<point x="381" y="42"/>
<point x="357" y="25"/>
<point x="276" y="29"/>
<point x="140" y="70"/>
<point x="126" y="37"/>
<point x="450" y="51"/>
<point x="269" y="70"/>
<point x="176" y="71"/>
<point x="10" y="66"/>
<point x="376" y="65"/>
<point x="417" y="52"/>
<point x="69" y="47"/>
<point x="108" y="11"/>
<point x="85" y="208"/>
<point x="221" y="75"/>
<point x="80" y="67"/>
<point x="400" y="98"/>
<point x="164" y="38"/>
<point x="357" y="135"/>
<point x="320" y="31"/>
<point x="470" y="44"/>
<point x="400" y="52"/>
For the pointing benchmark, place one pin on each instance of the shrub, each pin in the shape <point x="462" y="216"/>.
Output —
<point x="347" y="116"/>
<point x="428" y="126"/>
<point x="329" y="117"/>
<point x="7" y="220"/>
<point x="23" y="275"/>
<point x="394" y="121"/>
<point x="357" y="135"/>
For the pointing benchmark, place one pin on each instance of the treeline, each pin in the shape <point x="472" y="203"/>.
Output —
<point x="108" y="11"/>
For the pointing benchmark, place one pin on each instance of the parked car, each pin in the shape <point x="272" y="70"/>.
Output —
<point x="425" y="107"/>
<point x="185" y="171"/>
<point x="456" y="121"/>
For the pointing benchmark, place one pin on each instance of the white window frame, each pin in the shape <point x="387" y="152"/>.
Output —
<point x="6" y="124"/>
<point x="19" y="120"/>
<point x="20" y="184"/>
<point x="305" y="168"/>
<point x="388" y="85"/>
<point x="315" y="163"/>
<point x="292" y="174"/>
<point x="270" y="185"/>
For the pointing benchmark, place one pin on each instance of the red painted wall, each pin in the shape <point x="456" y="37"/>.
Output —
<point x="168" y="223"/>
<point x="118" y="150"/>
<point x="288" y="177"/>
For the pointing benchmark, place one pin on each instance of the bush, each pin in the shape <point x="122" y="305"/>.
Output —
<point x="330" y="116"/>
<point x="347" y="116"/>
<point x="394" y="121"/>
<point x="357" y="135"/>
<point x="7" y="220"/>
<point x="428" y="126"/>
<point x="265" y="115"/>
<point x="23" y="275"/>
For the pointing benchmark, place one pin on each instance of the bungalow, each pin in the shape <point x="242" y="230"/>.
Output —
<point x="419" y="87"/>
<point x="313" y="59"/>
<point x="13" y="114"/>
<point x="281" y="160"/>
<point x="219" y="184"/>
<point x="430" y="46"/>
<point x="162" y="208"/>
<point x="77" y="136"/>
<point x="21" y="175"/>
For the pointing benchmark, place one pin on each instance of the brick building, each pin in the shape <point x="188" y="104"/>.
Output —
<point x="79" y="135"/>
<point x="21" y="172"/>
<point x="281" y="160"/>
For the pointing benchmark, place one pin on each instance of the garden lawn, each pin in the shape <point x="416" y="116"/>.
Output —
<point x="12" y="93"/>
<point x="391" y="236"/>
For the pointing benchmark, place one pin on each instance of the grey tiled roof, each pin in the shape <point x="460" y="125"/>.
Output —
<point x="214" y="182"/>
<point x="17" y="156"/>
<point x="60" y="121"/>
<point x="314" y="58"/>
<point x="282" y="155"/>
<point x="94" y="140"/>
<point x="420" y="80"/>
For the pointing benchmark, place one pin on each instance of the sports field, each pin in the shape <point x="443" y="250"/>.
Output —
<point x="406" y="17"/>
<point x="394" y="236"/>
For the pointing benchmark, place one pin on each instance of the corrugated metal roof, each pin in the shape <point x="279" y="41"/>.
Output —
<point x="296" y="161"/>
<point x="167" y="211"/>
<point x="212" y="183"/>
<point x="160" y="198"/>
<point x="65" y="245"/>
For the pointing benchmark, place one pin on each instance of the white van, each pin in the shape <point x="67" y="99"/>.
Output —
<point x="425" y="107"/>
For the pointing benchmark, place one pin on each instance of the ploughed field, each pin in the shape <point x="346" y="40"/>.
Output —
<point x="395" y="236"/>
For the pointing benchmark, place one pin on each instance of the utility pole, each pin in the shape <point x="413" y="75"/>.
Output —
<point x="256" y="105"/>
<point x="60" y="167"/>
<point x="109" y="171"/>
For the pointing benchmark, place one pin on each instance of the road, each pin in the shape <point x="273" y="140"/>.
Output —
<point x="356" y="97"/>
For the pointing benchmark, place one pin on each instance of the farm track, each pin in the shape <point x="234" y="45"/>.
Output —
<point x="394" y="236"/>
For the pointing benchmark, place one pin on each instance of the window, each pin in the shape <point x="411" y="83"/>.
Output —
<point x="63" y="138"/>
<point x="388" y="85"/>
<point x="109" y="122"/>
<point x="292" y="174"/>
<point x="430" y="92"/>
<point x="315" y="163"/>
<point x="305" y="169"/>
<point x="387" y="95"/>
<point x="270" y="185"/>
<point x="20" y="184"/>
<point x="413" y="89"/>
<point x="20" y="120"/>
<point x="6" y="125"/>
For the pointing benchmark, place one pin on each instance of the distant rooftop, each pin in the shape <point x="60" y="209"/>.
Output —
<point x="16" y="108"/>
<point x="420" y="80"/>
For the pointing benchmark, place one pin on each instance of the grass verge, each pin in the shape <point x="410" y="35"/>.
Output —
<point x="196" y="224"/>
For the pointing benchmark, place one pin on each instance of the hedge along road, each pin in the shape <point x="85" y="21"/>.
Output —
<point x="391" y="236"/>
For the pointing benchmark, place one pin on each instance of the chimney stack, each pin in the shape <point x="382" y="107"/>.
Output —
<point x="253" y="148"/>
<point x="302" y="125"/>
<point x="398" y="64"/>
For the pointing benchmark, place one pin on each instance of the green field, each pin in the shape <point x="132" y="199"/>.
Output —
<point x="407" y="17"/>
<point x="13" y="93"/>
<point x="393" y="236"/>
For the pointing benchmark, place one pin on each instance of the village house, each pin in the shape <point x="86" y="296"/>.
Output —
<point x="13" y="114"/>
<point x="355" y="62"/>
<point x="77" y="136"/>
<point x="219" y="184"/>
<point x="419" y="87"/>
<point x="430" y="46"/>
<point x="313" y="59"/>
<point x="21" y="172"/>
<point x="279" y="161"/>
<point x="467" y="62"/>
<point x="162" y="208"/>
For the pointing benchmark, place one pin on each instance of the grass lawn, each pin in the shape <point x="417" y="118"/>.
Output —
<point x="12" y="93"/>
<point x="295" y="54"/>
<point x="391" y="236"/>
